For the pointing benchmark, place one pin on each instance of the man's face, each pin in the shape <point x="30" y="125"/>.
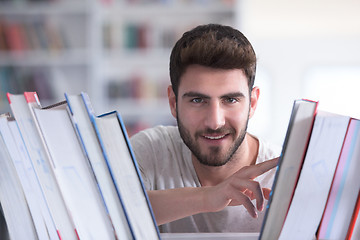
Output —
<point x="212" y="110"/>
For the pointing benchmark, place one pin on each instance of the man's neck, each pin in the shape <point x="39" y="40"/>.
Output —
<point x="246" y="155"/>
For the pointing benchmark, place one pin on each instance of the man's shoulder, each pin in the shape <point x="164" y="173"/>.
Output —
<point x="156" y="135"/>
<point x="159" y="131"/>
<point x="267" y="150"/>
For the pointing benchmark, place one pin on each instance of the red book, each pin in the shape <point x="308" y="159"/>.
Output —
<point x="354" y="228"/>
<point x="15" y="38"/>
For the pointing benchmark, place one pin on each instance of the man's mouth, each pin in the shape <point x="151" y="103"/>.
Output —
<point x="215" y="137"/>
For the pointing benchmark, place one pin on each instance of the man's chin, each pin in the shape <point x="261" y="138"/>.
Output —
<point x="213" y="160"/>
<point x="213" y="163"/>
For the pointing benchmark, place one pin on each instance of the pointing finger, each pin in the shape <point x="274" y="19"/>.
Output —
<point x="255" y="170"/>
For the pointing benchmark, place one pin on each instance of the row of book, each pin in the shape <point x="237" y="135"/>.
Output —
<point x="316" y="191"/>
<point x="19" y="36"/>
<point x="20" y="79"/>
<point x="137" y="87"/>
<point x="138" y="36"/>
<point x="67" y="173"/>
<point x="24" y="1"/>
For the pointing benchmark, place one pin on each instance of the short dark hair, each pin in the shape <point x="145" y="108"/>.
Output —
<point x="215" y="46"/>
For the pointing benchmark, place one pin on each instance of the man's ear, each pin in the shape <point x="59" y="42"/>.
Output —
<point x="172" y="100"/>
<point x="254" y="97"/>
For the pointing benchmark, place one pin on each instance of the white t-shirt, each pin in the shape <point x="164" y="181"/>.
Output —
<point x="165" y="162"/>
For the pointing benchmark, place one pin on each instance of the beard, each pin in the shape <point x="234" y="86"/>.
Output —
<point x="215" y="157"/>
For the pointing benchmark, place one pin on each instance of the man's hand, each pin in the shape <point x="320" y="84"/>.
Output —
<point x="239" y="189"/>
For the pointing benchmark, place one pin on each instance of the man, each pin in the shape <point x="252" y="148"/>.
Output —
<point x="200" y="175"/>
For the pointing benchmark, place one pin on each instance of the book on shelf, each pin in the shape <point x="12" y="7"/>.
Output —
<point x="73" y="173"/>
<point x="354" y="226"/>
<point x="125" y="173"/>
<point x="313" y="185"/>
<point x="26" y="175"/>
<point x="16" y="80"/>
<point x="289" y="167"/>
<point x="313" y="192"/>
<point x="4" y="233"/>
<point x="21" y="106"/>
<point x="3" y="43"/>
<point x="77" y="166"/>
<point x="14" y="36"/>
<point x="337" y="211"/>
<point x="20" y="36"/>
<point x="12" y="198"/>
<point x="80" y="109"/>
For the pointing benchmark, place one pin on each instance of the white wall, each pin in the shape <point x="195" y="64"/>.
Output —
<point x="300" y="44"/>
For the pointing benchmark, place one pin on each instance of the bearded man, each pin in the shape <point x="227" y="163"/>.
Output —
<point x="208" y="174"/>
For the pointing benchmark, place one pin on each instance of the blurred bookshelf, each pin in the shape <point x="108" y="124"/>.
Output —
<point x="116" y="51"/>
<point x="45" y="46"/>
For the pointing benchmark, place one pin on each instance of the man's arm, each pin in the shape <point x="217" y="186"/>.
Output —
<point x="172" y="204"/>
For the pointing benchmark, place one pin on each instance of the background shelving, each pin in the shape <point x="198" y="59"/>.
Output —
<point x="45" y="46"/>
<point x="116" y="51"/>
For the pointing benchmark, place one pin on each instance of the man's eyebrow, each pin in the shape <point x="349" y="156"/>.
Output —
<point x="201" y="95"/>
<point x="195" y="94"/>
<point x="233" y="95"/>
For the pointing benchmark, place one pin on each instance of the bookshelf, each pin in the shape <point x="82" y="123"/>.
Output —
<point x="115" y="50"/>
<point x="45" y="46"/>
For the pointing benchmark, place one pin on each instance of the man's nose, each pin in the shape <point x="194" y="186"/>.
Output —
<point x="215" y="116"/>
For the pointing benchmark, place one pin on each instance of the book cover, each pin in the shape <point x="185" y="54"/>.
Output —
<point x="80" y="109"/>
<point x="308" y="203"/>
<point x="13" y="201"/>
<point x="342" y="197"/>
<point x="29" y="183"/>
<point x="21" y="106"/>
<point x="73" y="173"/>
<point x="354" y="227"/>
<point x="125" y="174"/>
<point x="289" y="167"/>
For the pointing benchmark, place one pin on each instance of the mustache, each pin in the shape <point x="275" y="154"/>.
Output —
<point x="220" y="131"/>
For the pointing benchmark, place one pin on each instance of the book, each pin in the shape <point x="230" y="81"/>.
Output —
<point x="73" y="172"/>
<point x="210" y="236"/>
<point x="14" y="36"/>
<point x="74" y="190"/>
<point x="13" y="202"/>
<point x="125" y="174"/>
<point x="80" y="109"/>
<point x="21" y="105"/>
<point x="17" y="152"/>
<point x="289" y="167"/>
<point x="4" y="233"/>
<point x="36" y="193"/>
<point x="316" y="175"/>
<point x="342" y="197"/>
<point x="354" y="227"/>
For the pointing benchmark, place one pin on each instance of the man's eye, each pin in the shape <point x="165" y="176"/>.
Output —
<point x="231" y="100"/>
<point x="197" y="100"/>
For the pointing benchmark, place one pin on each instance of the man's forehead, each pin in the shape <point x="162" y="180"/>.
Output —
<point x="196" y="74"/>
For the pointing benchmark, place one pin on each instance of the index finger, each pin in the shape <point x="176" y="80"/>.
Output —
<point x="255" y="170"/>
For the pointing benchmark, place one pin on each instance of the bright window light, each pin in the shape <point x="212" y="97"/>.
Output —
<point x="336" y="88"/>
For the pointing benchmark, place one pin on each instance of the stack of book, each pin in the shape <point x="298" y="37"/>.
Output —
<point x="67" y="173"/>
<point x="316" y="186"/>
